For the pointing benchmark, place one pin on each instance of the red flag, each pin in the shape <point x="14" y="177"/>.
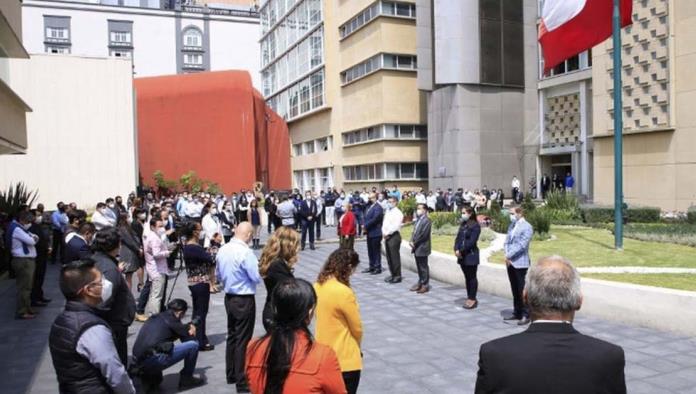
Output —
<point x="569" y="27"/>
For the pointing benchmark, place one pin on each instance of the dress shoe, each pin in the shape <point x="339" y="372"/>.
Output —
<point x="312" y="247"/>
<point x="512" y="317"/>
<point x="367" y="271"/>
<point x="396" y="279"/>
<point x="415" y="287"/>
<point x="524" y="321"/>
<point x="189" y="382"/>
<point x="207" y="347"/>
<point x="302" y="248"/>
<point x="243" y="388"/>
<point x="423" y="290"/>
<point x="376" y="272"/>
<point x="46" y="300"/>
<point x="141" y="317"/>
<point x="39" y="304"/>
<point x="473" y="305"/>
<point x="388" y="279"/>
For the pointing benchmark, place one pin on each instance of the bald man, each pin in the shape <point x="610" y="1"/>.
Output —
<point x="238" y="271"/>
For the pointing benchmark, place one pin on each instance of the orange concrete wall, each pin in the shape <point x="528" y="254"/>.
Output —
<point x="210" y="123"/>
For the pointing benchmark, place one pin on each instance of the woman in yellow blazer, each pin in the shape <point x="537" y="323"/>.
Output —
<point x="338" y="315"/>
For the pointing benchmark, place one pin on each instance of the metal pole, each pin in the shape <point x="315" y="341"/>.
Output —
<point x="618" y="130"/>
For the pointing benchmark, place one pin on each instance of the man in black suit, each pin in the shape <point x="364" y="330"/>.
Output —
<point x="551" y="356"/>
<point x="545" y="185"/>
<point x="77" y="243"/>
<point x="308" y="215"/>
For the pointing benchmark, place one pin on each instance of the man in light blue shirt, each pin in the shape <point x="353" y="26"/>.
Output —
<point x="238" y="271"/>
<point x="519" y="236"/>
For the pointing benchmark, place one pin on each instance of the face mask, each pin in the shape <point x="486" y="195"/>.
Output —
<point x="465" y="217"/>
<point x="39" y="219"/>
<point x="390" y="205"/>
<point x="161" y="231"/>
<point x="26" y="226"/>
<point x="107" y="288"/>
<point x="420" y="213"/>
<point x="213" y="211"/>
<point x="142" y="216"/>
<point x="111" y="205"/>
<point x="343" y="196"/>
<point x="513" y="218"/>
<point x="380" y="198"/>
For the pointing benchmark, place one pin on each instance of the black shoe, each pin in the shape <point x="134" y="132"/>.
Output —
<point x="312" y="247"/>
<point x="367" y="271"/>
<point x="189" y="382"/>
<point x="151" y="382"/>
<point x="302" y="247"/>
<point x="46" y="300"/>
<point x="415" y="287"/>
<point x="206" y="348"/>
<point x="396" y="279"/>
<point x="512" y="317"/>
<point x="243" y="388"/>
<point x="524" y="321"/>
<point x="376" y="272"/>
<point x="388" y="279"/>
<point x="39" y="304"/>
<point x="473" y="306"/>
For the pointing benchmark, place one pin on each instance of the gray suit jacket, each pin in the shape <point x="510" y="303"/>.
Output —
<point x="421" y="237"/>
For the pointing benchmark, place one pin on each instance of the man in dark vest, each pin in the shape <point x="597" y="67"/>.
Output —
<point x="81" y="344"/>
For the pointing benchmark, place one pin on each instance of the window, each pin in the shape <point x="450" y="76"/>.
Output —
<point x="399" y="9"/>
<point x="377" y="62"/>
<point x="57" y="33"/>
<point x="193" y="38"/>
<point x="297" y="149"/>
<point x="57" y="49"/>
<point x="501" y="42"/>
<point x="193" y="59"/>
<point x="309" y="147"/>
<point x="120" y="37"/>
<point x="124" y="53"/>
<point x="578" y="62"/>
<point x="385" y="131"/>
<point x="303" y="96"/>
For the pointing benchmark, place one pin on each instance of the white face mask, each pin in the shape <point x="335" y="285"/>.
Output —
<point x="465" y="217"/>
<point x="161" y="231"/>
<point x="39" y="219"/>
<point x="107" y="289"/>
<point x="513" y="218"/>
<point x="213" y="211"/>
<point x="420" y="212"/>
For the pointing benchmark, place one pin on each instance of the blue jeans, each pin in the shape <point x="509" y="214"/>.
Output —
<point x="187" y="351"/>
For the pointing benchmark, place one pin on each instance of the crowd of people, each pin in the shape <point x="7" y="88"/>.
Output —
<point x="214" y="237"/>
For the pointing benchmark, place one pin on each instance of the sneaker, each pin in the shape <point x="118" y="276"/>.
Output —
<point x="188" y="382"/>
<point x="141" y="317"/>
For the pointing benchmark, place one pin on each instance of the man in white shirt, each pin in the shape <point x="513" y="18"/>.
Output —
<point x="320" y="211"/>
<point x="431" y="201"/>
<point x="391" y="227"/>
<point x="420" y="197"/>
<point x="23" y="261"/>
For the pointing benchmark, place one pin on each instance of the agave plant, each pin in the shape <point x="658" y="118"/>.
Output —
<point x="15" y="196"/>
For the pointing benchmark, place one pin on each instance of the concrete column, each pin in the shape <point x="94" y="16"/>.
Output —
<point x="584" y="162"/>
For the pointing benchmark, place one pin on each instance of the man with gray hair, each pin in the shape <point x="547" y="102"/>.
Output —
<point x="551" y="356"/>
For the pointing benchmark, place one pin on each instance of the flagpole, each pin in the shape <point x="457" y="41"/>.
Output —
<point x="618" y="130"/>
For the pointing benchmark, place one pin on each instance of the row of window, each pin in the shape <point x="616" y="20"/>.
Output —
<point x="380" y="61"/>
<point x="310" y="147"/>
<point x="316" y="179"/>
<point x="305" y="17"/>
<point x="393" y="8"/>
<point x="300" y="98"/>
<point x="386" y="171"/>
<point x="294" y="64"/>
<point x="577" y="62"/>
<point x="386" y="131"/>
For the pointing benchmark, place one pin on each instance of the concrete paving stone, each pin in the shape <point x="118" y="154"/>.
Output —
<point x="412" y="343"/>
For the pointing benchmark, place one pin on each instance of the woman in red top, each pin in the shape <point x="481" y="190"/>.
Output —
<point x="287" y="360"/>
<point x="346" y="228"/>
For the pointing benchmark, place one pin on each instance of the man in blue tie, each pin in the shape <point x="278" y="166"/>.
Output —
<point x="519" y="236"/>
<point x="308" y="216"/>
<point x="373" y="229"/>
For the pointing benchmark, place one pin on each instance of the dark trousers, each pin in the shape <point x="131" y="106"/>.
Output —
<point x="171" y="260"/>
<point x="120" y="334"/>
<point x="143" y="297"/>
<point x="374" y="252"/>
<point x="37" y="293"/>
<point x="317" y="225"/>
<point x="393" y="248"/>
<point x="359" y="222"/>
<point x="58" y="246"/>
<point x="241" y="315"/>
<point x="200" y="295"/>
<point x="307" y="227"/>
<point x="471" y="280"/>
<point x="516" y="276"/>
<point x="347" y="242"/>
<point x="351" y="379"/>
<point x="423" y="270"/>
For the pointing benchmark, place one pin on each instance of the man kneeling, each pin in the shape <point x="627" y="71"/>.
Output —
<point x="155" y="350"/>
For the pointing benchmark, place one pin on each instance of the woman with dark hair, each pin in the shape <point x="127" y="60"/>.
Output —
<point x="212" y="230"/>
<point x="338" y="315"/>
<point x="286" y="359"/>
<point x="200" y="270"/>
<point x="131" y="252"/>
<point x="467" y="252"/>
<point x="254" y="217"/>
<point x="118" y="303"/>
<point x="276" y="264"/>
<point x="501" y="197"/>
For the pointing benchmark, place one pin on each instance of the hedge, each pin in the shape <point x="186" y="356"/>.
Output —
<point x="682" y="234"/>
<point x="691" y="214"/>
<point x="441" y="219"/>
<point x="600" y="214"/>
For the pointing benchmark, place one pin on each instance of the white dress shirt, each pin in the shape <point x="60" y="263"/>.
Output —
<point x="393" y="219"/>
<point x="21" y="237"/>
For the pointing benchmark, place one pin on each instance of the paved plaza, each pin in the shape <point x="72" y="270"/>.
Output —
<point x="412" y="343"/>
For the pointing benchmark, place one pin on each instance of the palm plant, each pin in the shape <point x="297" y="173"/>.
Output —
<point x="12" y="199"/>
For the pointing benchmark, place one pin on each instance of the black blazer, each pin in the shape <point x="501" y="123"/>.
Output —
<point x="467" y="243"/>
<point x="550" y="358"/>
<point x="76" y="249"/>
<point x="307" y="211"/>
<point x="277" y="272"/>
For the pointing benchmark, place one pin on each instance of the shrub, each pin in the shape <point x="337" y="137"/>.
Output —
<point x="440" y="219"/>
<point x="528" y="205"/>
<point x="562" y="216"/>
<point x="539" y="221"/>
<point x="487" y="235"/>
<point x="597" y="214"/>
<point x="408" y="206"/>
<point x="500" y="222"/>
<point x="683" y="234"/>
<point x="559" y="200"/>
<point x="691" y="214"/>
<point x="446" y="229"/>
<point x="14" y="197"/>
<point x="495" y="208"/>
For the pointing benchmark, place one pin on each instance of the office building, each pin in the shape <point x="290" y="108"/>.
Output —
<point x="13" y="107"/>
<point x="160" y="38"/>
<point x="343" y="75"/>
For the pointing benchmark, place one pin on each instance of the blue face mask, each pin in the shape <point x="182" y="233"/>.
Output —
<point x="513" y="218"/>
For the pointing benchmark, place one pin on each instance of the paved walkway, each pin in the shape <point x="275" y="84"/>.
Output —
<point x="413" y="343"/>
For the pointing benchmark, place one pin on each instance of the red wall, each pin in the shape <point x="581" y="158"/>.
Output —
<point x="214" y="123"/>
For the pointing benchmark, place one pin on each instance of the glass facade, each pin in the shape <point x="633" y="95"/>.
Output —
<point x="386" y="172"/>
<point x="389" y="8"/>
<point x="383" y="61"/>
<point x="386" y="131"/>
<point x="292" y="56"/>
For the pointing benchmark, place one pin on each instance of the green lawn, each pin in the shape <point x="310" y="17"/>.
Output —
<point x="589" y="247"/>
<point x="670" y="281"/>
<point x="440" y="243"/>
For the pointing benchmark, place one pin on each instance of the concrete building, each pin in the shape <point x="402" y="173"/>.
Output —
<point x="81" y="133"/>
<point x="343" y="75"/>
<point x="13" y="108"/>
<point x="160" y="38"/>
<point x="479" y="70"/>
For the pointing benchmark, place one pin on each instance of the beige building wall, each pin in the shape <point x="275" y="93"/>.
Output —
<point x="384" y="96"/>
<point x="81" y="133"/>
<point x="659" y="89"/>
